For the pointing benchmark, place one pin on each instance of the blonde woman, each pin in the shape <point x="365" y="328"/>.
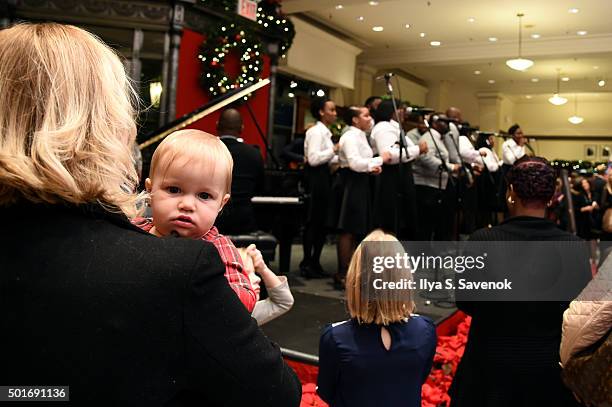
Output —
<point x="383" y="354"/>
<point x="87" y="299"/>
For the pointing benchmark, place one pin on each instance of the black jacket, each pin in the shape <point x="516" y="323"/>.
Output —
<point x="125" y="318"/>
<point x="512" y="355"/>
<point x="238" y="216"/>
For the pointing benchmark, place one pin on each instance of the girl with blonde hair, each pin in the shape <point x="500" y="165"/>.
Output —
<point x="89" y="300"/>
<point x="383" y="354"/>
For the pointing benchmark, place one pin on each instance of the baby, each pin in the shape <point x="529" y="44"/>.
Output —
<point x="189" y="183"/>
<point x="279" y="298"/>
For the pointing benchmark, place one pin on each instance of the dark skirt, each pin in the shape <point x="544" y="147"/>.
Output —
<point x="390" y="210"/>
<point x="318" y="188"/>
<point x="351" y="208"/>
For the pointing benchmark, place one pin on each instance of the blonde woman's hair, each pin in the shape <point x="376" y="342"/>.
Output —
<point x="193" y="146"/>
<point x="366" y="304"/>
<point x="66" y="119"/>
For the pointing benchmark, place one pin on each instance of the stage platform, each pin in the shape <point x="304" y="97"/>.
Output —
<point x="317" y="304"/>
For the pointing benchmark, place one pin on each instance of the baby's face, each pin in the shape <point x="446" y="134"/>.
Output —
<point x="187" y="199"/>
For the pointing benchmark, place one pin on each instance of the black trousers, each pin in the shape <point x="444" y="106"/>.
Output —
<point x="435" y="214"/>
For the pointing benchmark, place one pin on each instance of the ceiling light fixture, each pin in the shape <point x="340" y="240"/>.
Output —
<point x="557" y="99"/>
<point x="535" y="36"/>
<point x="491" y="81"/>
<point x="360" y="18"/>
<point x="601" y="83"/>
<point x="471" y="20"/>
<point x="320" y="93"/>
<point x="407" y="26"/>
<point x="435" y="43"/>
<point x="565" y="79"/>
<point x="575" y="119"/>
<point x="339" y="7"/>
<point x="528" y="97"/>
<point x="377" y="28"/>
<point x="422" y="35"/>
<point x="476" y="72"/>
<point x="373" y="3"/>
<point x="582" y="32"/>
<point x="573" y="10"/>
<point x="534" y="80"/>
<point x="492" y="39"/>
<point x="293" y="84"/>
<point x="520" y="63"/>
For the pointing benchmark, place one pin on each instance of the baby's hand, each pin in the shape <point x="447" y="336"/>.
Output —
<point x="258" y="263"/>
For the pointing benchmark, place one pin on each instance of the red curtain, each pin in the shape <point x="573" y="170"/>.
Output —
<point x="190" y="95"/>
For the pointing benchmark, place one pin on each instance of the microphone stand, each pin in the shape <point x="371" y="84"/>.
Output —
<point x="458" y="189"/>
<point x="402" y="149"/>
<point x="440" y="297"/>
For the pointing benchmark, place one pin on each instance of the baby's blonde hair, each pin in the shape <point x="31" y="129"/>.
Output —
<point x="66" y="119"/>
<point x="370" y="306"/>
<point x="193" y="146"/>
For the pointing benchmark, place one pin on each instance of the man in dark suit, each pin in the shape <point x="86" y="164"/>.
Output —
<point x="247" y="179"/>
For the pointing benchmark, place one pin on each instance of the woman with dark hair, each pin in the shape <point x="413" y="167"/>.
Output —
<point x="394" y="198"/>
<point x="512" y="150"/>
<point x="351" y="206"/>
<point x="320" y="152"/>
<point x="585" y="207"/>
<point x="512" y="354"/>
<point x="487" y="184"/>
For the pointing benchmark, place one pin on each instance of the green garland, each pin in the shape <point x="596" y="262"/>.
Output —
<point x="216" y="47"/>
<point x="240" y="35"/>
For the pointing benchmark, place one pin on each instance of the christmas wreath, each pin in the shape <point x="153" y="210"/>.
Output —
<point x="218" y="44"/>
<point x="239" y="37"/>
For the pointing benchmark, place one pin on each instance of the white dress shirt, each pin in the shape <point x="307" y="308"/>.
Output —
<point x="491" y="160"/>
<point x="318" y="145"/>
<point x="469" y="154"/>
<point x="511" y="151"/>
<point x="355" y="152"/>
<point x="386" y="137"/>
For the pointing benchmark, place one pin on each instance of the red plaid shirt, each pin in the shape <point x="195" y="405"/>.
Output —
<point x="234" y="269"/>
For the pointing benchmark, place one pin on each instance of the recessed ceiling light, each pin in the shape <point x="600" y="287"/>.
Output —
<point x="595" y="67"/>
<point x="573" y="10"/>
<point x="339" y="7"/>
<point x="491" y="81"/>
<point x="422" y="35"/>
<point x="471" y="20"/>
<point x="581" y="32"/>
<point x="565" y="79"/>
<point x="293" y="84"/>
<point x="435" y="43"/>
<point x="476" y="72"/>
<point x="492" y="39"/>
<point x="320" y="93"/>
<point x="291" y="94"/>
<point x="360" y="18"/>
<point x="528" y="96"/>
<point x="601" y="83"/>
<point x="535" y="36"/>
<point x="407" y="25"/>
<point x="534" y="80"/>
<point x="377" y="28"/>
<point x="373" y="3"/>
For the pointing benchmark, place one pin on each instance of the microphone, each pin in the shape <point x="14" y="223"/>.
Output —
<point x="385" y="77"/>
<point x="420" y="110"/>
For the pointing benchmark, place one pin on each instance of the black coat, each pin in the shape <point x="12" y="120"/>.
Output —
<point x="512" y="355"/>
<point x="125" y="318"/>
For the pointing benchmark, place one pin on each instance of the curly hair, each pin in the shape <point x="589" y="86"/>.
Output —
<point x="532" y="179"/>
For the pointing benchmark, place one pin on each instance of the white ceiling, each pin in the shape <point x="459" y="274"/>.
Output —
<point x="465" y="46"/>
